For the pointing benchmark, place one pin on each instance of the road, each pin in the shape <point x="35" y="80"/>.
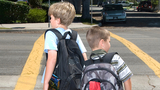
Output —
<point x="15" y="49"/>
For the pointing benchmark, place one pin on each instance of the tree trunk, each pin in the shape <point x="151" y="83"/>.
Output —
<point x="85" y="9"/>
<point x="77" y="5"/>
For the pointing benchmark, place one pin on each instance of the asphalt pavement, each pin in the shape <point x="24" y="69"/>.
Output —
<point x="41" y="27"/>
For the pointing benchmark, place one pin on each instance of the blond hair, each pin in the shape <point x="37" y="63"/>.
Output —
<point x="95" y="34"/>
<point x="63" y="10"/>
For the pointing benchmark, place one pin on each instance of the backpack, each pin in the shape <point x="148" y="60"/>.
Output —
<point x="69" y="61"/>
<point x="99" y="74"/>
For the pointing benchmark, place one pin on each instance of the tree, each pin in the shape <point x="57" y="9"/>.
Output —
<point x="154" y="3"/>
<point x="35" y="3"/>
<point x="85" y="9"/>
<point x="77" y="5"/>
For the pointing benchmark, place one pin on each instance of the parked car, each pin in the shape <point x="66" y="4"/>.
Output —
<point x="113" y="13"/>
<point x="124" y="3"/>
<point x="104" y="3"/>
<point x="145" y="6"/>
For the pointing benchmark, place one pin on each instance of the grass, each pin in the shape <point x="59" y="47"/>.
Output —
<point x="4" y="28"/>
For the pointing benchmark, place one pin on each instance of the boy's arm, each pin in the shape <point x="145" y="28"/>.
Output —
<point x="84" y="56"/>
<point x="52" y="57"/>
<point x="128" y="85"/>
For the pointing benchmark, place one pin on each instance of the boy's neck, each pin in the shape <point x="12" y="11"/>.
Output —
<point x="94" y="49"/>
<point x="63" y="26"/>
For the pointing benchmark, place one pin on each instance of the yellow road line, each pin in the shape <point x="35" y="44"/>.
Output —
<point x="152" y="63"/>
<point x="28" y="77"/>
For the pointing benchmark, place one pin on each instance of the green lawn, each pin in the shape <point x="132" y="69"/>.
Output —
<point x="4" y="28"/>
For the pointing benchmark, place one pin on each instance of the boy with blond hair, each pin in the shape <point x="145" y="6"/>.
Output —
<point x="99" y="41"/>
<point x="62" y="15"/>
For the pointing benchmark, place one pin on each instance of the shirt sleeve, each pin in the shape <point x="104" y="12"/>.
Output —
<point x="122" y="69"/>
<point x="51" y="41"/>
<point x="80" y="44"/>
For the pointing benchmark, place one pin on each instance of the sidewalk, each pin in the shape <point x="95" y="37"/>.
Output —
<point x="37" y="26"/>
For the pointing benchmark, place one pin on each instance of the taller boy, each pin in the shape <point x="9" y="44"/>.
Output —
<point x="62" y="15"/>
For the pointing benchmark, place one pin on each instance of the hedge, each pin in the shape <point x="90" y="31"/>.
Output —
<point x="36" y="15"/>
<point x="12" y="12"/>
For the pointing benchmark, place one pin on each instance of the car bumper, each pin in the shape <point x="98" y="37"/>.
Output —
<point x="114" y="19"/>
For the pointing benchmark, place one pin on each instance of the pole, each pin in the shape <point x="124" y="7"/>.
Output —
<point x="48" y="16"/>
<point x="158" y="6"/>
<point x="91" y="11"/>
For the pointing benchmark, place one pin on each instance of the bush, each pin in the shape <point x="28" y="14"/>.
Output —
<point x="45" y="7"/>
<point x="36" y="15"/>
<point x="23" y="2"/>
<point x="12" y="12"/>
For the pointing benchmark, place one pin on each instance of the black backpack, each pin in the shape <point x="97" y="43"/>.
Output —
<point x="99" y="74"/>
<point x="69" y="61"/>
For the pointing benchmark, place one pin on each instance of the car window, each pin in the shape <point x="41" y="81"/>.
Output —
<point x="113" y="7"/>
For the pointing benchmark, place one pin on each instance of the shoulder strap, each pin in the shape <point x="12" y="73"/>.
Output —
<point x="59" y="35"/>
<point x="56" y="32"/>
<point x="74" y="35"/>
<point x="106" y="59"/>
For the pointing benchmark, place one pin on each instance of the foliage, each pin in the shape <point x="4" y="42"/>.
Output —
<point x="12" y="12"/>
<point x="12" y="0"/>
<point x="36" y="15"/>
<point x="22" y="2"/>
<point x="35" y="3"/>
<point x="45" y="7"/>
<point x="154" y="3"/>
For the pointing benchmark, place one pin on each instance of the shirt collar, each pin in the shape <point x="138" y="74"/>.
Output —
<point x="95" y="54"/>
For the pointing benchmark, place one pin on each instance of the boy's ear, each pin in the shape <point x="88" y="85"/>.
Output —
<point x="101" y="43"/>
<point x="58" y="20"/>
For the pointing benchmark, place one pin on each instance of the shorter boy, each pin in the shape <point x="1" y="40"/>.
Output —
<point x="99" y="40"/>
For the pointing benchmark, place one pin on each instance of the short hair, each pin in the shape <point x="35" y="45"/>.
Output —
<point x="63" y="10"/>
<point x="95" y="34"/>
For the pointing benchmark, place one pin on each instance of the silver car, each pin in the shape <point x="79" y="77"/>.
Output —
<point x="113" y="13"/>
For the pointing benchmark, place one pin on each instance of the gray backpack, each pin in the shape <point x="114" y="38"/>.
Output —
<point x="99" y="74"/>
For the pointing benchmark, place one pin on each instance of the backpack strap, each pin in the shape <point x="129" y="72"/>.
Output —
<point x="59" y="36"/>
<point x="56" y="32"/>
<point x="106" y="59"/>
<point x="74" y="35"/>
